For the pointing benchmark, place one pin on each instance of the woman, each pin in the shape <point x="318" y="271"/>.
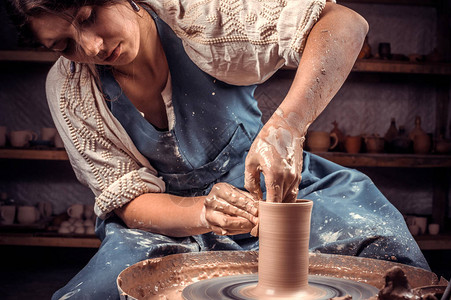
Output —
<point x="154" y="102"/>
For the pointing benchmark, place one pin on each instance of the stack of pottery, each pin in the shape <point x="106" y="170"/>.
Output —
<point x="80" y="220"/>
<point x="421" y="140"/>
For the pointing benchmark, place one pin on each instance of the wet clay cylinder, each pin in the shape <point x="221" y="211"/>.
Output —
<point x="284" y="232"/>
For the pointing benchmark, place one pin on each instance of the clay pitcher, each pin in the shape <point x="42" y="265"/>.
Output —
<point x="421" y="140"/>
<point x="321" y="141"/>
<point x="283" y="256"/>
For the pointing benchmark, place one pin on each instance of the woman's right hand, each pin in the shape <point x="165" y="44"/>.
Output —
<point x="228" y="210"/>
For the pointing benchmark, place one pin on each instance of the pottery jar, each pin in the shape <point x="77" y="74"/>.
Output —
<point x="433" y="229"/>
<point x="421" y="143"/>
<point x="48" y="134"/>
<point x="27" y="214"/>
<point x="443" y="146"/>
<point x="7" y="214"/>
<point x="321" y="141"/>
<point x="353" y="144"/>
<point x="374" y="144"/>
<point x="283" y="256"/>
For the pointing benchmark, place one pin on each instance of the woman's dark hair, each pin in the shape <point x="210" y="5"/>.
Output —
<point x="22" y="10"/>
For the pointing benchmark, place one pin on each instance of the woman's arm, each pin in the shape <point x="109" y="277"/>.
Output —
<point x="329" y="54"/>
<point x="226" y="210"/>
<point x="165" y="214"/>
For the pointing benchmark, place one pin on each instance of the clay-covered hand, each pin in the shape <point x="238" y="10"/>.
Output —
<point x="277" y="153"/>
<point x="228" y="210"/>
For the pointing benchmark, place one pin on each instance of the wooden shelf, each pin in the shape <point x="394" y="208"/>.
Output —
<point x="344" y="159"/>
<point x="29" y="239"/>
<point x="387" y="160"/>
<point x="434" y="242"/>
<point x="390" y="66"/>
<point x="33" y="154"/>
<point x="362" y="65"/>
<point x="28" y="55"/>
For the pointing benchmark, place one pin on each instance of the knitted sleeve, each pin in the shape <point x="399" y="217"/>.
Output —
<point x="100" y="151"/>
<point x="241" y="42"/>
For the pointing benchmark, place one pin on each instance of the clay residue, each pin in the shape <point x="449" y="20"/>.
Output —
<point x="397" y="287"/>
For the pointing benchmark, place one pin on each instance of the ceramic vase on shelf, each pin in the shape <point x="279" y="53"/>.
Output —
<point x="421" y="140"/>
<point x="390" y="135"/>
<point x="340" y="136"/>
<point x="374" y="143"/>
<point x="442" y="145"/>
<point x="366" y="50"/>
<point x="402" y="143"/>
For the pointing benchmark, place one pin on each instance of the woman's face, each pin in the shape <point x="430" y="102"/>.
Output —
<point x="105" y="35"/>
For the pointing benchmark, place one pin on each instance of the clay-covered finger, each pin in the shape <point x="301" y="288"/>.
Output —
<point x="236" y="197"/>
<point x="228" y="223"/>
<point x="221" y="205"/>
<point x="274" y="192"/>
<point x="291" y="193"/>
<point x="244" y="201"/>
<point x="221" y="231"/>
<point x="252" y="180"/>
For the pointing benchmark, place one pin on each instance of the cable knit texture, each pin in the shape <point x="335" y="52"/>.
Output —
<point x="239" y="42"/>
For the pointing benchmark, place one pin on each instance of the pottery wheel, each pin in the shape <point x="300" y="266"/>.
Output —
<point x="234" y="287"/>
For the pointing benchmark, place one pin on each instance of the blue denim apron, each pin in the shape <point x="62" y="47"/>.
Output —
<point x="215" y="124"/>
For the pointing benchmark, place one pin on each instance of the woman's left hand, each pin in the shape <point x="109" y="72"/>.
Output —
<point x="229" y="210"/>
<point x="277" y="153"/>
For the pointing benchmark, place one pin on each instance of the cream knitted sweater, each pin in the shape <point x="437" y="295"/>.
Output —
<point x="240" y="42"/>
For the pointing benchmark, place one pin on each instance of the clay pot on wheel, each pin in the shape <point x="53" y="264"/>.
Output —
<point x="283" y="228"/>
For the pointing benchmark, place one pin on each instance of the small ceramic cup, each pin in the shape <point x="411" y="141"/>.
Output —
<point x="434" y="229"/>
<point x="88" y="211"/>
<point x="374" y="144"/>
<point x="75" y="211"/>
<point x="22" y="138"/>
<point x="45" y="208"/>
<point x="7" y="214"/>
<point x="27" y="214"/>
<point x="422" y="223"/>
<point x="414" y="229"/>
<point x="48" y="134"/>
<point x="2" y="136"/>
<point x="353" y="144"/>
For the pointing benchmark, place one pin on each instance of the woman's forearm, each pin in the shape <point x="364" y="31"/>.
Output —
<point x="329" y="54"/>
<point x="165" y="214"/>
